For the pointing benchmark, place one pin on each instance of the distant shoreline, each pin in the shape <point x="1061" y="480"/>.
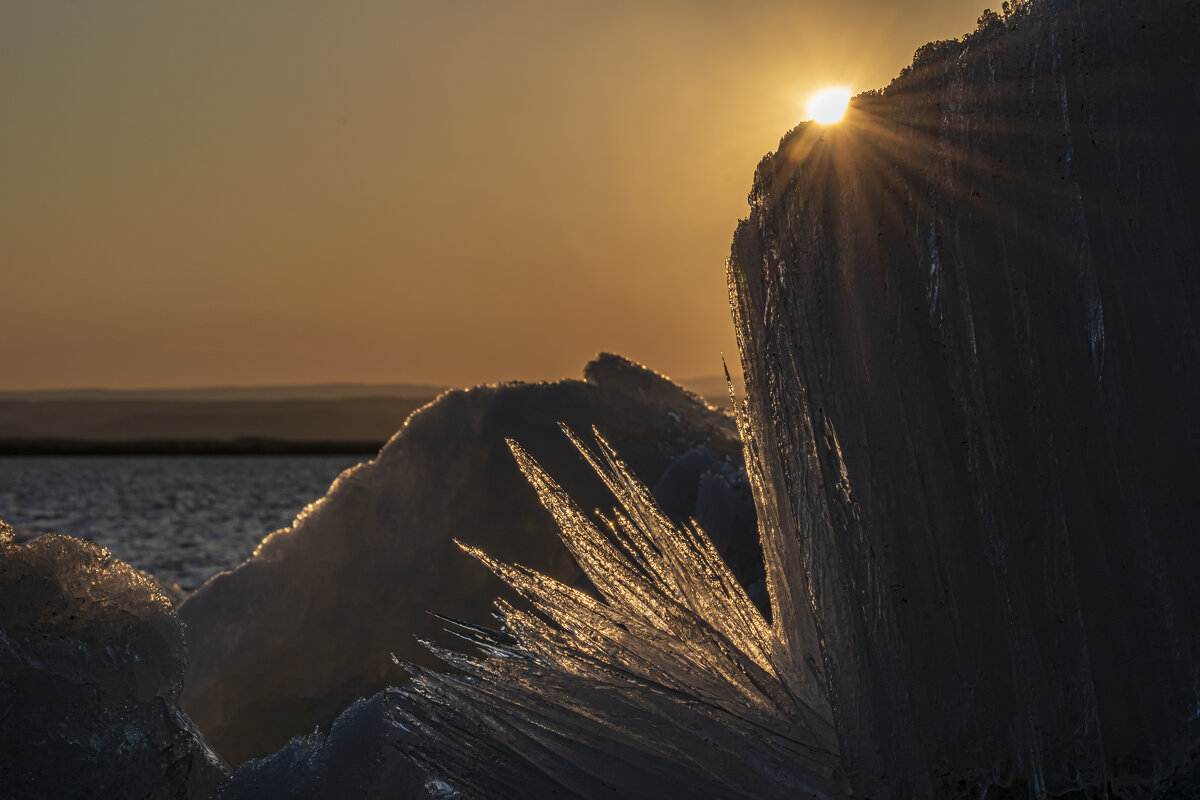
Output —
<point x="186" y="447"/>
<point x="292" y="420"/>
<point x="231" y="394"/>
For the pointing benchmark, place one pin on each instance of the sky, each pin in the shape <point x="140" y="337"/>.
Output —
<point x="223" y="192"/>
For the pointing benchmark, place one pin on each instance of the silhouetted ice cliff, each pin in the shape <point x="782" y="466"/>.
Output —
<point x="968" y="322"/>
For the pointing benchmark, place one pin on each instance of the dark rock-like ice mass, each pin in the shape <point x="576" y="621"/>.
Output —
<point x="309" y="623"/>
<point x="91" y="667"/>
<point x="969" y="319"/>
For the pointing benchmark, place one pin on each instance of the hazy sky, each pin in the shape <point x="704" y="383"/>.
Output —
<point x="198" y="192"/>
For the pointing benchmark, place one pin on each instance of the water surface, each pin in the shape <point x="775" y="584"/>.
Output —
<point x="182" y="518"/>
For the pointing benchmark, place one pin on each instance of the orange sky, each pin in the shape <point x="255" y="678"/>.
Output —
<point x="217" y="192"/>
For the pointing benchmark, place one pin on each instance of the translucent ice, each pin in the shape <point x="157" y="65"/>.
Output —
<point x="91" y="665"/>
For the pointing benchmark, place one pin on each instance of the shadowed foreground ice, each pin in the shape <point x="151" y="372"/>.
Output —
<point x="356" y="759"/>
<point x="91" y="667"/>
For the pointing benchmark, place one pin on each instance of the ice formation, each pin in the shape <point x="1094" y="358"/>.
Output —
<point x="663" y="679"/>
<point x="968" y="323"/>
<point x="308" y="624"/>
<point x="670" y="683"/>
<point x="91" y="667"/>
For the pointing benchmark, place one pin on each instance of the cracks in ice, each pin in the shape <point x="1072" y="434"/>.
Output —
<point x="934" y="284"/>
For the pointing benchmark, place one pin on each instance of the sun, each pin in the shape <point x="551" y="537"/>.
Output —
<point x="828" y="105"/>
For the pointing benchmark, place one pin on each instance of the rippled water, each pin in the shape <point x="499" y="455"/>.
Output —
<point x="181" y="518"/>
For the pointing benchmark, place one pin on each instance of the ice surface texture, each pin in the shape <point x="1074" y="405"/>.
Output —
<point x="91" y="666"/>
<point x="968" y="318"/>
<point x="308" y="624"/>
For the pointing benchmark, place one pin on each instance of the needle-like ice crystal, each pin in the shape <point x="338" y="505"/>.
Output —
<point x="666" y="681"/>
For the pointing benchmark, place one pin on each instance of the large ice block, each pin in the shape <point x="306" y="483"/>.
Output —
<point x="970" y="327"/>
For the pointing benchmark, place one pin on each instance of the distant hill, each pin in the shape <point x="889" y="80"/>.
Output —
<point x="360" y="424"/>
<point x="342" y="417"/>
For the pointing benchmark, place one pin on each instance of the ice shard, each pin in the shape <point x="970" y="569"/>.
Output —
<point x="669" y="683"/>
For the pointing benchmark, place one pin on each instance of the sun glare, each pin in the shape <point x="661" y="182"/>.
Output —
<point x="828" y="105"/>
